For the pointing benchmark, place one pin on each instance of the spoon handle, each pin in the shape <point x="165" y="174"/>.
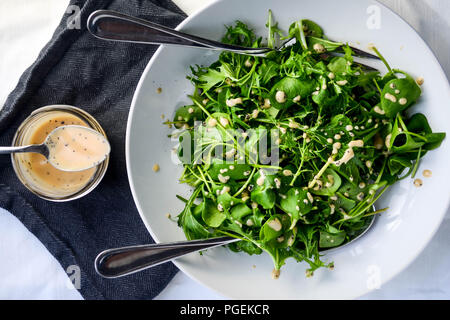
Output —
<point x="37" y="148"/>
<point x="114" y="263"/>
<point x="111" y="25"/>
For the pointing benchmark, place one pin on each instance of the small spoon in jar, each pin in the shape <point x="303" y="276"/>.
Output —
<point x="69" y="148"/>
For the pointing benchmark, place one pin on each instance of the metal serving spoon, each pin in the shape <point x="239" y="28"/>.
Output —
<point x="111" y="25"/>
<point x="49" y="144"/>
<point x="115" y="263"/>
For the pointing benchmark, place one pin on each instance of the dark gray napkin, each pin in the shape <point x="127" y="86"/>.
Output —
<point x="100" y="77"/>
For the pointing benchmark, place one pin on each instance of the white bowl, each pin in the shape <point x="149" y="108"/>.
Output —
<point x="398" y="235"/>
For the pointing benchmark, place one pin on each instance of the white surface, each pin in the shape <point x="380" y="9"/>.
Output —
<point x="25" y="26"/>
<point x="27" y="269"/>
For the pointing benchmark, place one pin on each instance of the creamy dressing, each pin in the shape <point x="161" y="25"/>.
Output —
<point x="76" y="148"/>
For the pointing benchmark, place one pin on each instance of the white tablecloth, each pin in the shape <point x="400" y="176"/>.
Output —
<point x="28" y="271"/>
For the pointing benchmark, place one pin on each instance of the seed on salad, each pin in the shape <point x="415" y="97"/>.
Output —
<point x="260" y="180"/>
<point x="266" y="104"/>
<point x="291" y="240"/>
<point x="336" y="147"/>
<point x="420" y="81"/>
<point x="225" y="189"/>
<point x="378" y="110"/>
<point x="387" y="141"/>
<point x="275" y="274"/>
<point x="277" y="183"/>
<point x="223" y="179"/>
<point x="332" y="208"/>
<point x="294" y="125"/>
<point x="233" y="102"/>
<point x="224" y="121"/>
<point x="212" y="122"/>
<point x="390" y="97"/>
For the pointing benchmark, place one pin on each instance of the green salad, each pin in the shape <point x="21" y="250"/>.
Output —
<point x="337" y="134"/>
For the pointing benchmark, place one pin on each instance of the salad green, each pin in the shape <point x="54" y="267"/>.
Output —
<point x="338" y="136"/>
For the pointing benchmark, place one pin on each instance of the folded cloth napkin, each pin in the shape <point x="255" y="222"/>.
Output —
<point x="100" y="77"/>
